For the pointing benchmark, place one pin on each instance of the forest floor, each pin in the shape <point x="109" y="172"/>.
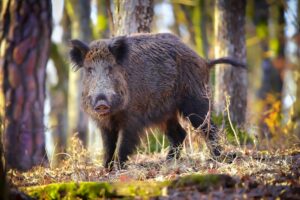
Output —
<point x="252" y="174"/>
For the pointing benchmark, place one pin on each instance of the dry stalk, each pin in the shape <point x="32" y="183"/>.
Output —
<point x="229" y="119"/>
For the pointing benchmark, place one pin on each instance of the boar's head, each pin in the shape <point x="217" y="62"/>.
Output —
<point x="104" y="82"/>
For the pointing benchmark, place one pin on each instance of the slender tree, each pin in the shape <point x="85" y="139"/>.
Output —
<point x="58" y="121"/>
<point x="230" y="42"/>
<point x="25" y="43"/>
<point x="3" y="183"/>
<point x="270" y="91"/>
<point x="58" y="95"/>
<point x="102" y="28"/>
<point x="296" y="106"/>
<point x="196" y="18"/>
<point x="132" y="16"/>
<point x="79" y="12"/>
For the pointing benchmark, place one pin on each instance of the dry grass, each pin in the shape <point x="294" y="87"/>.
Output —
<point x="78" y="165"/>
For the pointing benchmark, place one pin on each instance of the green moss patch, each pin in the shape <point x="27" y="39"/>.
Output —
<point x="84" y="190"/>
<point x="204" y="182"/>
<point x="144" y="189"/>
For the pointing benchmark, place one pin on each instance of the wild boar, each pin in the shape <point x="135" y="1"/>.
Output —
<point x="133" y="82"/>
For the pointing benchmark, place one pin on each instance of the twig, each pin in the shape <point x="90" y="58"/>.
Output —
<point x="229" y="119"/>
<point x="148" y="142"/>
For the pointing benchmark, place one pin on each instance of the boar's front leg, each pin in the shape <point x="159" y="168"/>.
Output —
<point x="176" y="135"/>
<point x="109" y="140"/>
<point x="128" y="141"/>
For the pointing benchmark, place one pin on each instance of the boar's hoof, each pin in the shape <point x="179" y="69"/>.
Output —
<point x="109" y="165"/>
<point x="174" y="153"/>
<point x="227" y="157"/>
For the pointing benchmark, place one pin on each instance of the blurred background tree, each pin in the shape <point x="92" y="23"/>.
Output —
<point x="272" y="66"/>
<point x="3" y="182"/>
<point x="294" y="58"/>
<point x="132" y="16"/>
<point x="79" y="12"/>
<point x="58" y="91"/>
<point x="230" y="42"/>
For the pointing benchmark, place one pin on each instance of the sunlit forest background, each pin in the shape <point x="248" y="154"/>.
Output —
<point x="272" y="43"/>
<point x="272" y="46"/>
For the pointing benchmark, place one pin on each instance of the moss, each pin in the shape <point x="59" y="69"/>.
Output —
<point x="94" y="190"/>
<point x="84" y="190"/>
<point x="141" y="189"/>
<point x="52" y="191"/>
<point x="204" y="182"/>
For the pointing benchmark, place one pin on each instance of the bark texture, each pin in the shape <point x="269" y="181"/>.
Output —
<point x="132" y="16"/>
<point x="230" y="42"/>
<point x="25" y="40"/>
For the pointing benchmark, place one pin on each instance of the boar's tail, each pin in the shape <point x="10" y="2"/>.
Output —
<point x="230" y="61"/>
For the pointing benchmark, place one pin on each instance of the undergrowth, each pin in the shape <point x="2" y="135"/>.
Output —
<point x="149" y="162"/>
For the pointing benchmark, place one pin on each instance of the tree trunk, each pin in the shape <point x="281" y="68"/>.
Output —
<point x="59" y="92"/>
<point x="103" y="26"/>
<point x="202" y="41"/>
<point x="270" y="91"/>
<point x="81" y="29"/>
<point x="25" y="42"/>
<point x="132" y="16"/>
<point x="195" y="21"/>
<point x="3" y="183"/>
<point x="58" y="120"/>
<point x="188" y="12"/>
<point x="230" y="42"/>
<point x="296" y="106"/>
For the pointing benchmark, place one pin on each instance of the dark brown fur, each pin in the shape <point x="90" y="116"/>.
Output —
<point x="147" y="80"/>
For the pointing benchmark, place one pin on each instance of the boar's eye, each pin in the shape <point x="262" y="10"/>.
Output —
<point x="90" y="70"/>
<point x="107" y="70"/>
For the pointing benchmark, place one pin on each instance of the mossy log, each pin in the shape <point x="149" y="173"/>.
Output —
<point x="143" y="189"/>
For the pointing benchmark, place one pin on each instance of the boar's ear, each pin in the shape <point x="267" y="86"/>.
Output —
<point x="78" y="52"/>
<point x="119" y="48"/>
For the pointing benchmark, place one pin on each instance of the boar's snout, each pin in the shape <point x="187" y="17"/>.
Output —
<point x="101" y="105"/>
<point x="102" y="108"/>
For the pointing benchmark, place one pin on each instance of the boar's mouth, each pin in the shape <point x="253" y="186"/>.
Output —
<point x="102" y="108"/>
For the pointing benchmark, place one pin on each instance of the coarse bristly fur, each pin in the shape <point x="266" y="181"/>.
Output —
<point x="144" y="80"/>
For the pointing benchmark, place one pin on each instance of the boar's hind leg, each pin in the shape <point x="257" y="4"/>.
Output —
<point x="196" y="111"/>
<point x="129" y="139"/>
<point x="176" y="135"/>
<point x="109" y="139"/>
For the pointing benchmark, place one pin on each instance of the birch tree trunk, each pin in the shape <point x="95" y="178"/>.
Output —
<point x="230" y="42"/>
<point x="25" y="41"/>
<point x="132" y="16"/>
